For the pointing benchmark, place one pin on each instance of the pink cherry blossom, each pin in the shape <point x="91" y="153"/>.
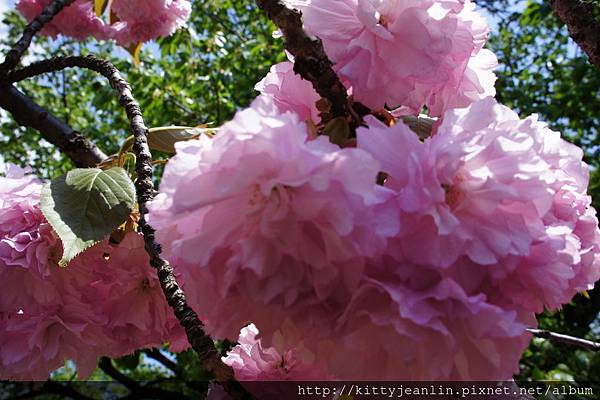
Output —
<point x="425" y="328"/>
<point x="564" y="259"/>
<point x="138" y="20"/>
<point x="106" y="302"/>
<point x="290" y="92"/>
<point x="251" y="361"/>
<point x="129" y="294"/>
<point x="26" y="239"/>
<point x="145" y="20"/>
<point x="479" y="187"/>
<point x="261" y="213"/>
<point x="37" y="339"/>
<point x="411" y="53"/>
<point x="500" y="201"/>
<point x="78" y="20"/>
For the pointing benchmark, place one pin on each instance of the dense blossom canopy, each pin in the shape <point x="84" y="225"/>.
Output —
<point x="500" y="203"/>
<point x="409" y="53"/>
<point x="390" y="257"/>
<point x="108" y="302"/>
<point x="290" y="92"/>
<point x="289" y="230"/>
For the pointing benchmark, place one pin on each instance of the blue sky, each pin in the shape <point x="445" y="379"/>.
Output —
<point x="3" y="8"/>
<point x="5" y="5"/>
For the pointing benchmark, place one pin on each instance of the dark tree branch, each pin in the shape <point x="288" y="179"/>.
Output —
<point x="26" y="112"/>
<point x="16" y="53"/>
<point x="188" y="318"/>
<point x="583" y="26"/>
<point x="311" y="62"/>
<point x="137" y="391"/>
<point x="63" y="389"/>
<point x="156" y="355"/>
<point x="570" y="340"/>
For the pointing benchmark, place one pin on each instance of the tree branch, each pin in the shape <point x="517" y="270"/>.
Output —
<point x="583" y="26"/>
<point x="570" y="340"/>
<point x="311" y="62"/>
<point x="156" y="355"/>
<point x="187" y="317"/>
<point x="63" y="389"/>
<point x="26" y="112"/>
<point x="137" y="391"/>
<point x="18" y="50"/>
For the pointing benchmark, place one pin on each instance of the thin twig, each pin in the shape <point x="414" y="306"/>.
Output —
<point x="137" y="391"/>
<point x="18" y="50"/>
<point x="570" y="340"/>
<point x="156" y="355"/>
<point x="187" y="317"/>
<point x="311" y="62"/>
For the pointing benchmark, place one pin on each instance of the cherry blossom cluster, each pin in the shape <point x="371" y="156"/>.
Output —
<point x="108" y="302"/>
<point x="398" y="258"/>
<point x="132" y="21"/>
<point x="409" y="53"/>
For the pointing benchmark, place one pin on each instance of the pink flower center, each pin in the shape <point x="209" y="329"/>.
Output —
<point x="280" y="194"/>
<point x="454" y="193"/>
<point x="383" y="21"/>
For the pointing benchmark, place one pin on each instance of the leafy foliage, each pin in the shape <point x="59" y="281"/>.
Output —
<point x="202" y="74"/>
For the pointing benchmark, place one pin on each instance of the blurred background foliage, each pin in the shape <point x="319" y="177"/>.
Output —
<point x="207" y="70"/>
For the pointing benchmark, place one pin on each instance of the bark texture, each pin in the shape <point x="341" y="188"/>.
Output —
<point x="26" y="112"/>
<point x="311" y="62"/>
<point x="583" y="26"/>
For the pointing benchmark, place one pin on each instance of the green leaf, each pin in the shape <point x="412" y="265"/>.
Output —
<point x="164" y="138"/>
<point x="86" y="205"/>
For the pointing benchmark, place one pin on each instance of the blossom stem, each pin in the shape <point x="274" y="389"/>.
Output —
<point x="175" y="296"/>
<point x="311" y="62"/>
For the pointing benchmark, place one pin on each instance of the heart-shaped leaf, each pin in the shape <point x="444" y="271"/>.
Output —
<point x="164" y="138"/>
<point x="86" y="205"/>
